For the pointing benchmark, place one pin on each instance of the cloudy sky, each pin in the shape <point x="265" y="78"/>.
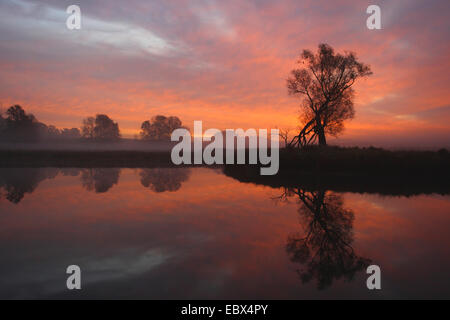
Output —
<point x="225" y="62"/>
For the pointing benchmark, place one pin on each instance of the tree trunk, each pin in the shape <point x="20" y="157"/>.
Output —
<point x="320" y="132"/>
<point x="322" y="138"/>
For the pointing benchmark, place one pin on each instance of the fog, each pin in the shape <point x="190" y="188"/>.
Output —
<point x="77" y="145"/>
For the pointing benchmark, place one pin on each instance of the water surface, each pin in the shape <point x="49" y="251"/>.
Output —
<point x="188" y="233"/>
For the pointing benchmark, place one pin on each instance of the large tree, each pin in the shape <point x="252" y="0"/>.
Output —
<point x="159" y="127"/>
<point x="324" y="83"/>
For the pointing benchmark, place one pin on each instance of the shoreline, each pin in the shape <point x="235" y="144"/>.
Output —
<point x="343" y="170"/>
<point x="328" y="159"/>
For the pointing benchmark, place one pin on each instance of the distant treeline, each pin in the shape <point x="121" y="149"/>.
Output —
<point x="16" y="125"/>
<point x="16" y="182"/>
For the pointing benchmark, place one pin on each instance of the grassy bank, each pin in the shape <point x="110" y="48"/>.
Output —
<point x="362" y="170"/>
<point x="84" y="159"/>
<point x="357" y="182"/>
<point x="339" y="169"/>
<point x="364" y="160"/>
<point x="324" y="160"/>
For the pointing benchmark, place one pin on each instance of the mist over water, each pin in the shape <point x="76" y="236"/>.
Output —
<point x="123" y="145"/>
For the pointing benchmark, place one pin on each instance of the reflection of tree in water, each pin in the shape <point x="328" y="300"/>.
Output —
<point x="99" y="179"/>
<point x="164" y="179"/>
<point x="325" y="246"/>
<point x="15" y="182"/>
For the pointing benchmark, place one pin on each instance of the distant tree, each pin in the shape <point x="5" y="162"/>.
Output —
<point x="52" y="133"/>
<point x="87" y="129"/>
<point x="105" y="128"/>
<point x="18" y="125"/>
<point x="73" y="133"/>
<point x="100" y="128"/>
<point x="16" y="115"/>
<point x="324" y="83"/>
<point x="159" y="128"/>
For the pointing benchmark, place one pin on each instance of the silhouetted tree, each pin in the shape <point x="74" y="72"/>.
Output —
<point x="284" y="136"/>
<point x="100" y="179"/>
<point x="100" y="128"/>
<point x="52" y="133"/>
<point x="105" y="128"/>
<point x="73" y="133"/>
<point x="164" y="179"/>
<point x="17" y="115"/>
<point x="87" y="129"/>
<point x="18" y="125"/>
<point x="159" y="128"/>
<point x="324" y="83"/>
<point x="325" y="245"/>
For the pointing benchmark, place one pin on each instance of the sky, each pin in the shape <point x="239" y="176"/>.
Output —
<point x="226" y="63"/>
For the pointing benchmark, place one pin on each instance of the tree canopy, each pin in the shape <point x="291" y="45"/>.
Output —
<point x="324" y="83"/>
<point x="159" y="127"/>
<point x="100" y="128"/>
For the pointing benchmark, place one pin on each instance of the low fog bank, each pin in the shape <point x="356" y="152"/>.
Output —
<point x="422" y="141"/>
<point x="120" y="145"/>
<point x="77" y="145"/>
<point x="166" y="146"/>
